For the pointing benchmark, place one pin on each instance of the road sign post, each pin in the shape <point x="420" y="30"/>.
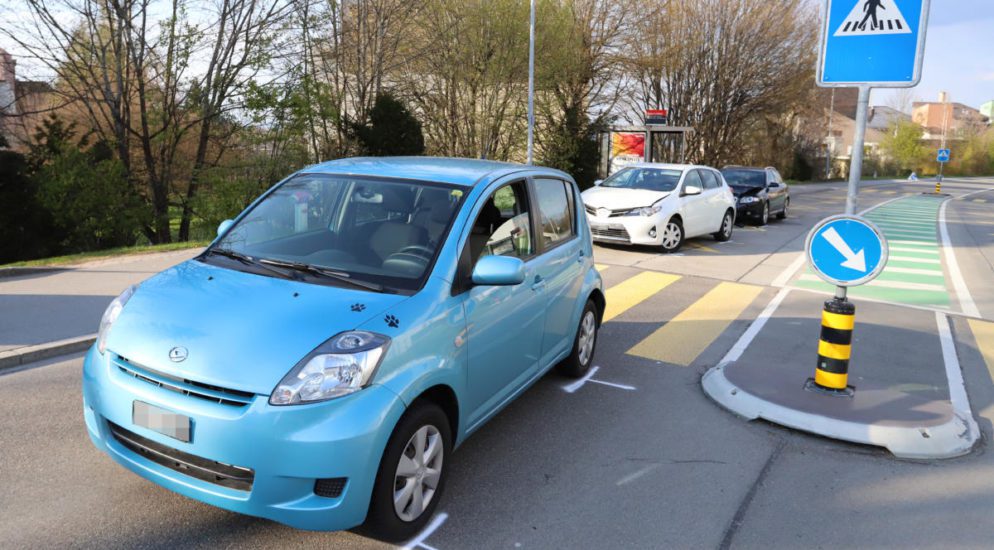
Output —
<point x="942" y="157"/>
<point x="865" y="44"/>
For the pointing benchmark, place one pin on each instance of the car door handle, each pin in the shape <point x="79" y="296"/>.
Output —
<point x="539" y="283"/>
<point x="580" y="256"/>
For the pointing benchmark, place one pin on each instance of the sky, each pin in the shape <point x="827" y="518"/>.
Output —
<point x="959" y="55"/>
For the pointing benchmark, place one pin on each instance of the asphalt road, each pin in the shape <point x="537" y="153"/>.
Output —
<point x="637" y="457"/>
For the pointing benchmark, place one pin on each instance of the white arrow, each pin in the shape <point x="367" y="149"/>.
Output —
<point x="854" y="260"/>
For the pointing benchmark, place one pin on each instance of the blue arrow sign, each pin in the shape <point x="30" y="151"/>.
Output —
<point x="846" y="250"/>
<point x="878" y="43"/>
<point x="943" y="155"/>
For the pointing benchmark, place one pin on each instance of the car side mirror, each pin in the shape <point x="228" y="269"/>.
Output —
<point x="598" y="182"/>
<point x="692" y="190"/>
<point x="499" y="271"/>
<point x="224" y="226"/>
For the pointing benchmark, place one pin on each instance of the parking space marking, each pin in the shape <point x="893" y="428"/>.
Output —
<point x="983" y="335"/>
<point x="419" y="541"/>
<point x="573" y="386"/>
<point x="696" y="327"/>
<point x="601" y="267"/>
<point x="633" y="291"/>
<point x="699" y="246"/>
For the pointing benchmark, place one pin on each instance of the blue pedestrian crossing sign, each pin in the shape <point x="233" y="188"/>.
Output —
<point x="846" y="250"/>
<point x="943" y="155"/>
<point x="877" y="43"/>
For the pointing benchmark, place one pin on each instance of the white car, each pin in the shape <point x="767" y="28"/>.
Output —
<point x="660" y="205"/>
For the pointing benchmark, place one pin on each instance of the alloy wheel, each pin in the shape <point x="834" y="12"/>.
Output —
<point x="766" y="213"/>
<point x="588" y="335"/>
<point x="726" y="226"/>
<point x="418" y="473"/>
<point x="671" y="235"/>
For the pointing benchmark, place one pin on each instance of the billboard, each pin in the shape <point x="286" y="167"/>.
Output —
<point x="626" y="148"/>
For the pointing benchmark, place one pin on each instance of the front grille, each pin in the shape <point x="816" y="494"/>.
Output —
<point x="613" y="213"/>
<point x="211" y="471"/>
<point x="330" y="487"/>
<point x="610" y="232"/>
<point x="192" y="388"/>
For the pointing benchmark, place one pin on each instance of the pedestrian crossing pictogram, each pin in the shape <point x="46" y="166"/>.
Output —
<point x="874" y="17"/>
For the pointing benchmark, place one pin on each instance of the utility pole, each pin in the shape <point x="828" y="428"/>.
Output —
<point x="531" y="85"/>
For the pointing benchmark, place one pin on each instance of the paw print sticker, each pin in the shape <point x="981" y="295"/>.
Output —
<point x="358" y="307"/>
<point x="392" y="321"/>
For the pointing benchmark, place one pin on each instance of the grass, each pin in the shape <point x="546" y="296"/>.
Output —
<point x="109" y="253"/>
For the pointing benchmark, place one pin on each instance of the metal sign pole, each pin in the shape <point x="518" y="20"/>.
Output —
<point x="856" y="161"/>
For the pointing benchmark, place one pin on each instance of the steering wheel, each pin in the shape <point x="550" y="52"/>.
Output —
<point x="417" y="250"/>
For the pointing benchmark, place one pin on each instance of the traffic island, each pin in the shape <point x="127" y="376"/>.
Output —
<point x="907" y="398"/>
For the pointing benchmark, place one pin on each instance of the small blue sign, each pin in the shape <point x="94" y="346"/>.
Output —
<point x="846" y="250"/>
<point x="943" y="155"/>
<point x="873" y="42"/>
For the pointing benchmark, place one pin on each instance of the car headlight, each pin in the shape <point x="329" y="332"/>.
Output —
<point x="342" y="365"/>
<point x="647" y="211"/>
<point x="747" y="200"/>
<point x="111" y="314"/>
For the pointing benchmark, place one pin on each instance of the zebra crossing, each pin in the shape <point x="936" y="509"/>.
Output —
<point x="670" y="319"/>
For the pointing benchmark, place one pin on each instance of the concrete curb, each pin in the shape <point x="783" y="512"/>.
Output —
<point x="21" y="356"/>
<point x="7" y="272"/>
<point x="949" y="440"/>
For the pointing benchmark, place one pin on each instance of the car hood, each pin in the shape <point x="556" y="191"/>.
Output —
<point x="617" y="198"/>
<point x="241" y="330"/>
<point x="746" y="191"/>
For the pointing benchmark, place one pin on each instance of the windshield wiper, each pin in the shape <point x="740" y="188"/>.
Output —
<point x="323" y="272"/>
<point x="245" y="259"/>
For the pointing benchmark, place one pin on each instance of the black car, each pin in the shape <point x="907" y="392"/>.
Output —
<point x="759" y="192"/>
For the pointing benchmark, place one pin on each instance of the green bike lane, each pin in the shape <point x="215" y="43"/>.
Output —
<point x="914" y="274"/>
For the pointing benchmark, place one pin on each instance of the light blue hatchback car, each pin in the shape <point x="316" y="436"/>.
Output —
<point x="319" y="361"/>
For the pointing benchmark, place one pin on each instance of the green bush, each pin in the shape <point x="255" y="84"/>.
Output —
<point x="391" y="130"/>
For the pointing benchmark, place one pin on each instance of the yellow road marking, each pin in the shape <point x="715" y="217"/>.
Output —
<point x="682" y="339"/>
<point x="980" y="200"/>
<point x="633" y="291"/>
<point x="601" y="267"/>
<point x="983" y="334"/>
<point x="698" y="246"/>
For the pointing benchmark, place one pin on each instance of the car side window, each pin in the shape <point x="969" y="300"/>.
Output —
<point x="693" y="179"/>
<point x="555" y="204"/>
<point x="503" y="226"/>
<point x="710" y="179"/>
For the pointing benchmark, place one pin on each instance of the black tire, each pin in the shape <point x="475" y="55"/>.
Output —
<point x="783" y="213"/>
<point x="727" y="225"/>
<point x="679" y="242"/>
<point x="764" y="217"/>
<point x="382" y="521"/>
<point x="578" y="363"/>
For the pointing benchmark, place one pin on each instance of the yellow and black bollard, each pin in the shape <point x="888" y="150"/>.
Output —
<point x="834" y="348"/>
<point x="938" y="186"/>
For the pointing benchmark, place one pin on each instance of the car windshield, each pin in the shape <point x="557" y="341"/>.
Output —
<point x="745" y="178"/>
<point x="653" y="179"/>
<point x="365" y="232"/>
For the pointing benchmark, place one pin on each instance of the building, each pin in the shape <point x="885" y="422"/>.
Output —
<point x="882" y="118"/>
<point x="945" y="118"/>
<point x="23" y="103"/>
<point x="987" y="109"/>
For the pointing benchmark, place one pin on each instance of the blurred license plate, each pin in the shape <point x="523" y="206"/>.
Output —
<point x="154" y="418"/>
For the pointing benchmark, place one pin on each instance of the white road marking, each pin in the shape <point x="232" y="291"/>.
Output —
<point x="749" y="335"/>
<point x="915" y="250"/>
<point x="572" y="387"/>
<point x="888" y="284"/>
<point x="913" y="271"/>
<point x="419" y="541"/>
<point x="635" y="475"/>
<point x="966" y="302"/>
<point x="787" y="274"/>
<point x="914" y="260"/>
<point x="954" y="376"/>
<point x="613" y="385"/>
